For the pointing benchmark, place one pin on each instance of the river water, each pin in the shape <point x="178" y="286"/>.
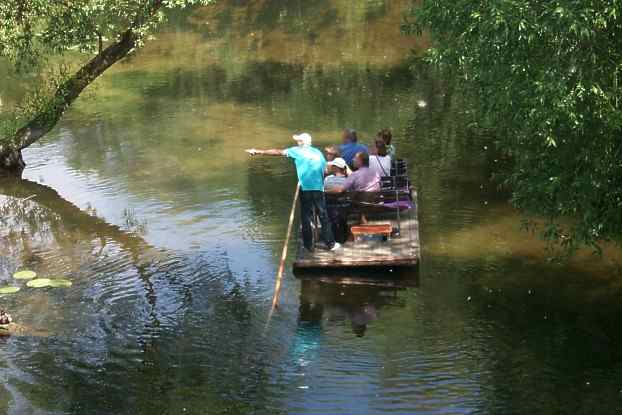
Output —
<point x="144" y="198"/>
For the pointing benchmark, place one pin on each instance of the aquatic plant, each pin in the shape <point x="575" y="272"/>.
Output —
<point x="39" y="283"/>
<point x="9" y="290"/>
<point x="25" y="275"/>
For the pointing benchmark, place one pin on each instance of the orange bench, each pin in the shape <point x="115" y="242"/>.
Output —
<point x="384" y="229"/>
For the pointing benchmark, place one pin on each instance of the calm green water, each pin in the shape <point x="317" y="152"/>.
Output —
<point x="144" y="198"/>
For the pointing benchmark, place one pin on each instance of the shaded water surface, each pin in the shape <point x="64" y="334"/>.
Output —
<point x="144" y="198"/>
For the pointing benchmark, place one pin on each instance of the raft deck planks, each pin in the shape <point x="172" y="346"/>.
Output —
<point x="402" y="251"/>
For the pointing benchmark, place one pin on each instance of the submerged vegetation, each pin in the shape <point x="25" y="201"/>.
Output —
<point x="544" y="75"/>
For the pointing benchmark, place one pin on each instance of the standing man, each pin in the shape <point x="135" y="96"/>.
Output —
<point x="310" y="166"/>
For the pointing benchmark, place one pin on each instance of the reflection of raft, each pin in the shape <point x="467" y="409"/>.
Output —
<point x="389" y="239"/>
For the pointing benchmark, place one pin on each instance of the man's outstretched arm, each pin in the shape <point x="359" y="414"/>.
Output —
<point x="271" y="152"/>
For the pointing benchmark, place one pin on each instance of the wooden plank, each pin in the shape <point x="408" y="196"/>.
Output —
<point x="401" y="251"/>
<point x="363" y="281"/>
<point x="394" y="262"/>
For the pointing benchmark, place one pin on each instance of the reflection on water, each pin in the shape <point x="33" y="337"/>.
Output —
<point x="328" y="300"/>
<point x="144" y="198"/>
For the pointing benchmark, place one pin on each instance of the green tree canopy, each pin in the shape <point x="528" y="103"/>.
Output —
<point x="545" y="75"/>
<point x="34" y="33"/>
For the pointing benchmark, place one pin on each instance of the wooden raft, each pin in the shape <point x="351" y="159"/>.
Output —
<point x="396" y="251"/>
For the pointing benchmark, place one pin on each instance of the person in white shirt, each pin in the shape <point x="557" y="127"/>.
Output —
<point x="337" y="210"/>
<point x="337" y="170"/>
<point x="379" y="160"/>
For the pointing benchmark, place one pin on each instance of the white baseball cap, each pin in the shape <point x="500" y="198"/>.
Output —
<point x="304" y="138"/>
<point x="338" y="162"/>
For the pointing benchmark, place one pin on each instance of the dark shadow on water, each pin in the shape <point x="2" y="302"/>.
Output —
<point x="550" y="331"/>
<point x="116" y="348"/>
<point x="360" y="303"/>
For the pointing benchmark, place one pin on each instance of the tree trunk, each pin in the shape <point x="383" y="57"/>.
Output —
<point x="11" y="161"/>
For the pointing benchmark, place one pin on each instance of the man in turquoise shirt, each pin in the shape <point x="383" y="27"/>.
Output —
<point x="310" y="167"/>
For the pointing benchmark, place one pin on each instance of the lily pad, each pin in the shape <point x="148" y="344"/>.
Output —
<point x="60" y="283"/>
<point x="9" y="290"/>
<point x="25" y="275"/>
<point x="39" y="283"/>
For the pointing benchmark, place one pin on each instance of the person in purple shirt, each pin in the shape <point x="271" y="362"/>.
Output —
<point x="350" y="146"/>
<point x="363" y="179"/>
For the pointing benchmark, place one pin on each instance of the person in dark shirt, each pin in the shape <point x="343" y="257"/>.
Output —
<point x="350" y="146"/>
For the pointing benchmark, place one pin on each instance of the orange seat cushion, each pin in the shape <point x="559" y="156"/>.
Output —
<point x="378" y="229"/>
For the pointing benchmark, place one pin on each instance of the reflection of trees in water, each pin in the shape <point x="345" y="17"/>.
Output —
<point x="348" y="21"/>
<point x="450" y="162"/>
<point x="21" y="222"/>
<point x="133" y="223"/>
<point x="122" y="348"/>
<point x="293" y="95"/>
<point x="45" y="232"/>
<point x="279" y="98"/>
<point x="39" y="215"/>
<point x="546" y="336"/>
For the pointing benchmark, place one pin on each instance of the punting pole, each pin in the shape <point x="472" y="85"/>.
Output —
<point x="279" y="275"/>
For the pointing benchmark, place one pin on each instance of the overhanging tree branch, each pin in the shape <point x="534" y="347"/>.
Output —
<point x="70" y="90"/>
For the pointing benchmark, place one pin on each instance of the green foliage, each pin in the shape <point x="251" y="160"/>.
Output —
<point x="31" y="30"/>
<point x="545" y="74"/>
<point x="35" y="36"/>
<point x="36" y="99"/>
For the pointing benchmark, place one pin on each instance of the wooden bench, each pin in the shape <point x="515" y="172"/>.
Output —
<point x="384" y="229"/>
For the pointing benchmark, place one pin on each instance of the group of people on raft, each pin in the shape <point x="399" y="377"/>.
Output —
<point x="349" y="167"/>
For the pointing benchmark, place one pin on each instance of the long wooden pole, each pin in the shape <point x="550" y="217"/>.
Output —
<point x="279" y="275"/>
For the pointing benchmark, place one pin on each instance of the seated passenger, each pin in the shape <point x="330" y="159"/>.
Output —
<point x="386" y="136"/>
<point x="350" y="146"/>
<point x="337" y="209"/>
<point x="337" y="170"/>
<point x="363" y="179"/>
<point x="332" y="152"/>
<point x="379" y="161"/>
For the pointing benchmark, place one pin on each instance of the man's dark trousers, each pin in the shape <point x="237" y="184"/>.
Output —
<point x="310" y="201"/>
